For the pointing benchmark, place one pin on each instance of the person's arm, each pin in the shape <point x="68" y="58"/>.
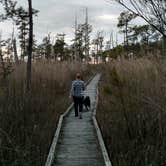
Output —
<point x="83" y="86"/>
<point x="71" y="90"/>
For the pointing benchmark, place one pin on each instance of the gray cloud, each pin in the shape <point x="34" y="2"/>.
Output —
<point x="57" y="16"/>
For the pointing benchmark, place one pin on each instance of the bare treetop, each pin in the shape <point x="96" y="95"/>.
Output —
<point x="152" y="11"/>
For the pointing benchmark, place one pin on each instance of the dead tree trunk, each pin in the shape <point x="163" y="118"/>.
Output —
<point x="29" y="50"/>
<point x="15" y="51"/>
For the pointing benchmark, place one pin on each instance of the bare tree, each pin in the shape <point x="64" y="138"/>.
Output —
<point x="14" y="45"/>
<point x="75" y="39"/>
<point x="15" y="50"/>
<point x="87" y="37"/>
<point x="82" y="39"/>
<point x="152" y="11"/>
<point x="98" y="45"/>
<point x="30" y="44"/>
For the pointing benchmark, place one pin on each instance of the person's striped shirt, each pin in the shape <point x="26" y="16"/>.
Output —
<point x="77" y="88"/>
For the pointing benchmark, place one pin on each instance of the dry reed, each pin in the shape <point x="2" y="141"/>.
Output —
<point x="132" y="111"/>
<point x="28" y="122"/>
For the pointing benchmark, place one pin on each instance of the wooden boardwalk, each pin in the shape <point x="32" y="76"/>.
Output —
<point x="78" y="144"/>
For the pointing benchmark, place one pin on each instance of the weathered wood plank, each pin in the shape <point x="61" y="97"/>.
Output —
<point x="50" y="156"/>
<point x="78" y="144"/>
<point x="76" y="141"/>
<point x="79" y="162"/>
<point x="99" y="135"/>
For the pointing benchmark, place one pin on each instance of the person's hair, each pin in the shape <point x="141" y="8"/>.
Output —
<point x="78" y="76"/>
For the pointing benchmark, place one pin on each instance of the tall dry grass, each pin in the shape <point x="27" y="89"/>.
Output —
<point x="28" y="122"/>
<point x="132" y="112"/>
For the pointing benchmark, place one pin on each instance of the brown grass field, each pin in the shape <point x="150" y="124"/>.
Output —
<point x="28" y="122"/>
<point x="132" y="111"/>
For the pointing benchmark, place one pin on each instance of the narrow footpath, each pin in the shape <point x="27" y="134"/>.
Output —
<point x="78" y="144"/>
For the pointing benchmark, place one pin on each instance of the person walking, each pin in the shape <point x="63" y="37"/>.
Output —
<point x="77" y="93"/>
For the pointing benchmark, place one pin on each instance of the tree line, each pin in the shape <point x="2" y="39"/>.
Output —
<point x="137" y="38"/>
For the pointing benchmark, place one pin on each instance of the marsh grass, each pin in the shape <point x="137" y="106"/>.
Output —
<point x="132" y="111"/>
<point x="28" y="122"/>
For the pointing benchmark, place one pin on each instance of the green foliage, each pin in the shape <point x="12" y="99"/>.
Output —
<point x="107" y="90"/>
<point x="82" y="41"/>
<point x="153" y="12"/>
<point x="47" y="46"/>
<point x="115" y="52"/>
<point x="137" y="39"/>
<point x="144" y="34"/>
<point x="124" y="18"/>
<point x="115" y="78"/>
<point x="59" y="46"/>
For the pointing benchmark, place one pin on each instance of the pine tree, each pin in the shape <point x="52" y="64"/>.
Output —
<point x="98" y="46"/>
<point x="59" y="46"/>
<point x="124" y="19"/>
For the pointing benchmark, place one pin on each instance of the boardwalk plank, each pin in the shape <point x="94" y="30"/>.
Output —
<point x="80" y="162"/>
<point x="78" y="145"/>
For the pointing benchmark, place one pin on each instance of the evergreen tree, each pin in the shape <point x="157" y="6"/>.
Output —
<point x="30" y="47"/>
<point x="82" y="40"/>
<point x="98" y="46"/>
<point x="47" y="46"/>
<point x="59" y="47"/>
<point x="152" y="11"/>
<point x="124" y="19"/>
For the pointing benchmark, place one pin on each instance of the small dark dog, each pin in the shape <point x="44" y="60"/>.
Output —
<point x="87" y="103"/>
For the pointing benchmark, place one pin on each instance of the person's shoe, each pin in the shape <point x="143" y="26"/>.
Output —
<point x="76" y="115"/>
<point x="80" y="116"/>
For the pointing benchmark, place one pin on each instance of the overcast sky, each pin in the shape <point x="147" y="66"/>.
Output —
<point x="57" y="16"/>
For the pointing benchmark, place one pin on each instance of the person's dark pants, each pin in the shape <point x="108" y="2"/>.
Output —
<point x="78" y="103"/>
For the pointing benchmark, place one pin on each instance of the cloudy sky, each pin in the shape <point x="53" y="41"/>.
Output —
<point x="57" y="16"/>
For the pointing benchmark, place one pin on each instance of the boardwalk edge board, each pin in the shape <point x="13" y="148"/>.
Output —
<point x="99" y="135"/>
<point x="50" y="156"/>
<point x="101" y="143"/>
